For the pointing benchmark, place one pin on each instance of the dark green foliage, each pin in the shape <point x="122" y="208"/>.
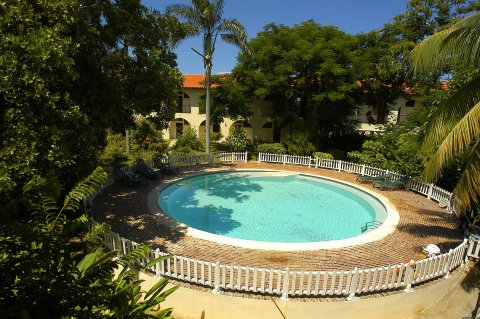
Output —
<point x="298" y="143"/>
<point x="114" y="151"/>
<point x="306" y="71"/>
<point x="237" y="140"/>
<point x="51" y="265"/>
<point x="272" y="148"/>
<point x="380" y="60"/>
<point x="230" y="99"/>
<point x="148" y="140"/>
<point x="66" y="78"/>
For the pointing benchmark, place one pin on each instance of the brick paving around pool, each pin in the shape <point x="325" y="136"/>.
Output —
<point x="422" y="222"/>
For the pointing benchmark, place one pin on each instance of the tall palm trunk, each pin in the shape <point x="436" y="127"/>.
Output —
<point x="127" y="130"/>
<point x="208" y="78"/>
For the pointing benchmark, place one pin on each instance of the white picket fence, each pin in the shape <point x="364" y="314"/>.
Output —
<point x="430" y="190"/>
<point x="287" y="283"/>
<point x="182" y="160"/>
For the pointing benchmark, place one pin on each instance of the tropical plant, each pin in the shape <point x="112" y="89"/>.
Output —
<point x="454" y="127"/>
<point x="298" y="143"/>
<point x="52" y="266"/>
<point x="237" y="139"/>
<point x="205" y="17"/>
<point x="216" y="136"/>
<point x="188" y="139"/>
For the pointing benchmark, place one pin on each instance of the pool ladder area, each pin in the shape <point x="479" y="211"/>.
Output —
<point x="371" y="225"/>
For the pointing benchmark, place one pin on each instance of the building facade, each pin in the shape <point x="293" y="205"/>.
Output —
<point x="259" y="125"/>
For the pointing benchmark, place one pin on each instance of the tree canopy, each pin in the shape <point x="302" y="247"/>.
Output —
<point x="307" y="71"/>
<point x="65" y="79"/>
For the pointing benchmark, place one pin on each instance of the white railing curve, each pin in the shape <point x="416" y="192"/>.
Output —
<point x="285" y="282"/>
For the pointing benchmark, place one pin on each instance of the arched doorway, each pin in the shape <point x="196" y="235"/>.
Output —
<point x="213" y="128"/>
<point x="177" y="127"/>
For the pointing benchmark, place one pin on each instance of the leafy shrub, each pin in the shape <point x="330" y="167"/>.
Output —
<point x="188" y="139"/>
<point x="114" y="151"/>
<point x="273" y="148"/>
<point x="237" y="139"/>
<point x="323" y="155"/>
<point x="215" y="136"/>
<point x="298" y="144"/>
<point x="144" y="133"/>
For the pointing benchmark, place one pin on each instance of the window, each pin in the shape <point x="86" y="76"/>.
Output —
<point x="183" y="103"/>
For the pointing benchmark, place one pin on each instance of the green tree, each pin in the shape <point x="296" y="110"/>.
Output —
<point x="205" y="18"/>
<point x="454" y="127"/>
<point x="380" y="61"/>
<point x="65" y="80"/>
<point x="230" y="99"/>
<point x="307" y="72"/>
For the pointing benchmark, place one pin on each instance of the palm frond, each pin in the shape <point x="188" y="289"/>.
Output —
<point x="463" y="134"/>
<point x="468" y="187"/>
<point x="458" y="45"/>
<point x="449" y="112"/>
<point x="183" y="12"/>
<point x="45" y="213"/>
<point x="232" y="31"/>
<point x="84" y="189"/>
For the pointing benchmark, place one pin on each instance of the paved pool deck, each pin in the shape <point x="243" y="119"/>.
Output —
<point x="421" y="222"/>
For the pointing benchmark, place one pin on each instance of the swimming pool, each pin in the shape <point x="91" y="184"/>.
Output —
<point x="272" y="207"/>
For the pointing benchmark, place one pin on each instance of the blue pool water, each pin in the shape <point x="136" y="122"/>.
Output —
<point x="271" y="206"/>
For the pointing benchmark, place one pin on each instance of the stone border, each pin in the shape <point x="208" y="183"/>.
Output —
<point x="387" y="227"/>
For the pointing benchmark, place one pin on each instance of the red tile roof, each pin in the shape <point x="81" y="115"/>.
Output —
<point x="194" y="81"/>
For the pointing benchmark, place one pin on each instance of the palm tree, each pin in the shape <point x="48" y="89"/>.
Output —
<point x="205" y="17"/>
<point x="455" y="126"/>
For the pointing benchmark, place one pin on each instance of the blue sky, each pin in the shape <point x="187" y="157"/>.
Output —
<point x="351" y="16"/>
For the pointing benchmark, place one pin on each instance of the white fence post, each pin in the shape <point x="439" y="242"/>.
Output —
<point x="217" y="290"/>
<point x="362" y="172"/>
<point x="286" y="280"/>
<point x="284" y="158"/>
<point x="353" y="285"/>
<point x="157" y="264"/>
<point x="409" y="272"/>
<point x="339" y="163"/>
<point x="246" y="157"/>
<point x="447" y="264"/>
<point x="430" y="190"/>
